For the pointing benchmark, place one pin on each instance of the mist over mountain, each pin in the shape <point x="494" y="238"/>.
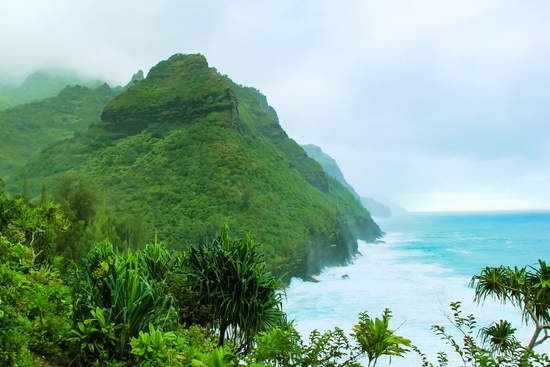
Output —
<point x="186" y="148"/>
<point x="396" y="209"/>
<point x="29" y="128"/>
<point x="42" y="84"/>
<point x="377" y="210"/>
<point x="137" y="77"/>
<point x="330" y="166"/>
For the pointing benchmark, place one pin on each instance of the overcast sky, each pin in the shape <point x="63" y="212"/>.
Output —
<point x="439" y="105"/>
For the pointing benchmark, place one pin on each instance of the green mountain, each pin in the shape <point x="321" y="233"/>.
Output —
<point x="330" y="166"/>
<point x="29" y="128"/>
<point x="42" y="84"/>
<point x="186" y="148"/>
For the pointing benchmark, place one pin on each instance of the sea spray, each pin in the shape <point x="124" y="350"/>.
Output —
<point x="415" y="274"/>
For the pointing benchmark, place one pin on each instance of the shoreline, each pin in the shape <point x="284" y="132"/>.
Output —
<point x="387" y="275"/>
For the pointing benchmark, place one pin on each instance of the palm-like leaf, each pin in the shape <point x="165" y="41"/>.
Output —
<point x="499" y="336"/>
<point x="377" y="339"/>
<point x="230" y="276"/>
<point x="526" y="288"/>
<point x="538" y="283"/>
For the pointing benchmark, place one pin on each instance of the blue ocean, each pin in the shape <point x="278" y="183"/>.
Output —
<point x="425" y="262"/>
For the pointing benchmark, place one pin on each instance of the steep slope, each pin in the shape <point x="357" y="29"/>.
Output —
<point x="42" y="84"/>
<point x="29" y="128"/>
<point x="375" y="208"/>
<point x="329" y="165"/>
<point x="186" y="148"/>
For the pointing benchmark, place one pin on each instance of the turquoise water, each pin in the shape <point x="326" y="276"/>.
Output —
<point x="467" y="242"/>
<point x="426" y="262"/>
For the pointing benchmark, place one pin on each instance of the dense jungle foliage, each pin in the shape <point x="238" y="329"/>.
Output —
<point x="210" y="306"/>
<point x="29" y="128"/>
<point x="186" y="149"/>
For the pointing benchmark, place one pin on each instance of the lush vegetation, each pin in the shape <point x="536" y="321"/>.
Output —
<point x="186" y="149"/>
<point x="178" y="155"/>
<point x="29" y="128"/>
<point x="212" y="305"/>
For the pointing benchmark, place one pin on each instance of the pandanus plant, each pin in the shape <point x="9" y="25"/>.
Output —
<point x="499" y="336"/>
<point x="230" y="277"/>
<point x="527" y="289"/>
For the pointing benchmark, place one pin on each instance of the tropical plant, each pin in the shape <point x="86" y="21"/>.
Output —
<point x="34" y="302"/>
<point x="158" y="349"/>
<point x="157" y="262"/>
<point x="128" y="301"/>
<point x="332" y="348"/>
<point x="493" y="346"/>
<point x="229" y="276"/>
<point x="499" y="337"/>
<point x="279" y="347"/>
<point x="376" y="339"/>
<point x="215" y="358"/>
<point x="329" y="349"/>
<point x="527" y="289"/>
<point x="34" y="226"/>
<point x="96" y="337"/>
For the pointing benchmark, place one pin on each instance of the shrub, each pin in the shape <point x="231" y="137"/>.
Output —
<point x="115" y="302"/>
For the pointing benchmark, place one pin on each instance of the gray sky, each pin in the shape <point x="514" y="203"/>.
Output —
<point x="439" y="105"/>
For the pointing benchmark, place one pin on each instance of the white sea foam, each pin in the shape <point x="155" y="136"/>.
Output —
<point x="417" y="294"/>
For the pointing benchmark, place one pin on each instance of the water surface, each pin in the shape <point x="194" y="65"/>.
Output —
<point x="426" y="262"/>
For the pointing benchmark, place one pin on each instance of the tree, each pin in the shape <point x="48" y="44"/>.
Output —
<point x="37" y="227"/>
<point x="34" y="302"/>
<point x="230" y="277"/>
<point x="527" y="289"/>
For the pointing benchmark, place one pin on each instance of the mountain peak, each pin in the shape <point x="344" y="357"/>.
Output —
<point x="177" y="90"/>
<point x="136" y="78"/>
<point x="178" y="64"/>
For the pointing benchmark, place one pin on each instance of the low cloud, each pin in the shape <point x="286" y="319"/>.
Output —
<point x="439" y="105"/>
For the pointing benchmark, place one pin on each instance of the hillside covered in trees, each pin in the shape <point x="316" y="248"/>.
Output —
<point x="180" y="152"/>
<point x="29" y="128"/>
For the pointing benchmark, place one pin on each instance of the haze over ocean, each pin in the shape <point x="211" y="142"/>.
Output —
<point x="426" y="262"/>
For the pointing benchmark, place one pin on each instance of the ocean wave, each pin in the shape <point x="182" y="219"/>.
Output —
<point x="416" y="278"/>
